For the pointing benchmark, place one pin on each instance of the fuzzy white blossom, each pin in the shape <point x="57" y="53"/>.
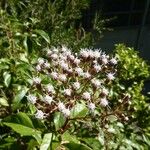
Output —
<point x="39" y="114"/>
<point x="62" y="77"/>
<point x="46" y="65"/>
<point x="68" y="92"/>
<point x="32" y="99"/>
<point x="64" y="65"/>
<point x="37" y="80"/>
<point x="103" y="102"/>
<point x="97" y="54"/>
<point x="38" y="68"/>
<point x="76" y="85"/>
<point x="113" y="61"/>
<point x="86" y="95"/>
<point x="50" y="89"/>
<point x="105" y="60"/>
<point x="54" y="56"/>
<point x="61" y="106"/>
<point x="41" y="61"/>
<point x="48" y="99"/>
<point x="49" y="52"/>
<point x="105" y="91"/>
<point x="71" y="57"/>
<point x="86" y="75"/>
<point x="91" y="106"/>
<point x="66" y="112"/>
<point x="79" y="71"/>
<point x="96" y="82"/>
<point x="54" y="75"/>
<point x="110" y="76"/>
<point x="97" y="68"/>
<point x="77" y="61"/>
<point x="84" y="53"/>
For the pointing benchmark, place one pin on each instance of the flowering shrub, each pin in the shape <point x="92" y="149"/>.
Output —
<point x="65" y="100"/>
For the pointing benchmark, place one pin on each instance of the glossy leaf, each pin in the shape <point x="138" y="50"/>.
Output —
<point x="7" y="78"/>
<point x="59" y="120"/>
<point x="47" y="139"/>
<point x="79" y="110"/>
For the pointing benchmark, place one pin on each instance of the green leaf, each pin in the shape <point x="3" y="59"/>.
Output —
<point x="59" y="120"/>
<point x="7" y="78"/>
<point x="24" y="119"/>
<point x="76" y="146"/>
<point x="79" y="110"/>
<point x="67" y="137"/>
<point x="44" y="35"/>
<point x="46" y="141"/>
<point x="20" y="95"/>
<point x="25" y="131"/>
<point x="3" y="102"/>
<point x="93" y="143"/>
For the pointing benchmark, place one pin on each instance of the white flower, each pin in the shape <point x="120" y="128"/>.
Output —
<point x="97" y="54"/>
<point x="64" y="65"/>
<point x="38" y="68"/>
<point x="54" y="75"/>
<point x="110" y="76"/>
<point x="103" y="102"/>
<point x="68" y="92"/>
<point x="61" y="106"/>
<point x="41" y="61"/>
<point x="47" y="65"/>
<point x="86" y="95"/>
<point x="97" y="67"/>
<point x="48" y="99"/>
<point x="62" y="77"/>
<point x="105" y="91"/>
<point x="36" y="80"/>
<point x="39" y="114"/>
<point x="66" y="112"/>
<point x="63" y="57"/>
<point x="105" y="60"/>
<point x="76" y="85"/>
<point x="64" y="48"/>
<point x="91" y="53"/>
<point x="31" y="98"/>
<point x="50" y="89"/>
<point x="76" y="61"/>
<point x="84" y="53"/>
<point x="49" y="52"/>
<point x="96" y="82"/>
<point x="55" y="50"/>
<point x="54" y="56"/>
<point x="86" y="75"/>
<point x="91" y="106"/>
<point x="79" y="71"/>
<point x="71" y="57"/>
<point x="113" y="61"/>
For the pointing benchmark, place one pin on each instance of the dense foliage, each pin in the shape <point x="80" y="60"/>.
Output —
<point x="54" y="98"/>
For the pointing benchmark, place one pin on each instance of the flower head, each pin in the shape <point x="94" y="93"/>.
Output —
<point x="41" y="61"/>
<point x="86" y="95"/>
<point x="66" y="112"/>
<point x="31" y="98"/>
<point x="61" y="106"/>
<point x="68" y="92"/>
<point x="39" y="114"/>
<point x="54" y="75"/>
<point x="110" y="76"/>
<point x="48" y="99"/>
<point x="76" y="85"/>
<point x="91" y="106"/>
<point x="96" y="82"/>
<point x="62" y="77"/>
<point x="37" y="80"/>
<point x="103" y="102"/>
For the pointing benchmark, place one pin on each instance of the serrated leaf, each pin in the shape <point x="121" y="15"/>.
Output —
<point x="25" y="131"/>
<point x="7" y="79"/>
<point x="79" y="110"/>
<point x="47" y="139"/>
<point x="44" y="35"/>
<point x="59" y="120"/>
<point x="3" y="102"/>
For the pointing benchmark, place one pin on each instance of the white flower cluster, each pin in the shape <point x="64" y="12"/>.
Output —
<point x="63" y="79"/>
